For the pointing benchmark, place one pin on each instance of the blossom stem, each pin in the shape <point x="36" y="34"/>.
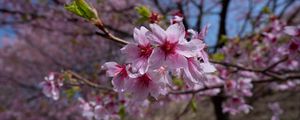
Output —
<point x="89" y="83"/>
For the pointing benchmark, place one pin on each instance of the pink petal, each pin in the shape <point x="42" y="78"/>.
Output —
<point x="157" y="59"/>
<point x="112" y="69"/>
<point x="139" y="36"/>
<point x="175" y="61"/>
<point x="118" y="83"/>
<point x="208" y="68"/>
<point x="175" y="32"/>
<point x="132" y="51"/>
<point x="157" y="35"/>
<point x="190" y="49"/>
<point x="141" y="64"/>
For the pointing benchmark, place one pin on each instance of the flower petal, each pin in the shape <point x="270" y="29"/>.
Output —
<point x="157" y="59"/>
<point x="175" y="32"/>
<point x="190" y="49"/>
<point x="132" y="51"/>
<point x="112" y="69"/>
<point x="175" y="61"/>
<point x="139" y="36"/>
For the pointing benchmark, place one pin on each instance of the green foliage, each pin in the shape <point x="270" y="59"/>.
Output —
<point x="223" y="39"/>
<point x="218" y="57"/>
<point x="122" y="112"/>
<point x="266" y="10"/>
<point x="144" y="13"/>
<point x="193" y="105"/>
<point x="178" y="82"/>
<point x="70" y="93"/>
<point x="82" y="9"/>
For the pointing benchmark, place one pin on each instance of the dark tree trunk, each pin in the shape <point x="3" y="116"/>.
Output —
<point x="222" y="24"/>
<point x="217" y="102"/>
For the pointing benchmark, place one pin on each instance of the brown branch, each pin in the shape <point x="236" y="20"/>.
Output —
<point x="89" y="83"/>
<point x="186" y="108"/>
<point x="106" y="34"/>
<point x="288" y="77"/>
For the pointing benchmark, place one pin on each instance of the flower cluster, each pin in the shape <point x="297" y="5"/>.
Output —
<point x="100" y="109"/>
<point x="51" y="85"/>
<point x="152" y="58"/>
<point x="276" y="110"/>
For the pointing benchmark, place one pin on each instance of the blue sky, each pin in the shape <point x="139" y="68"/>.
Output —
<point x="233" y="23"/>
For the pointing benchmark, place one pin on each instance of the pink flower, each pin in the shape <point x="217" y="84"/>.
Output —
<point x="201" y="35"/>
<point x="51" y="86"/>
<point x="236" y="105"/>
<point x="149" y="83"/>
<point x="93" y="111"/>
<point x="119" y="74"/>
<point x="241" y="87"/>
<point x="172" y="48"/>
<point x="194" y="73"/>
<point x="206" y="65"/>
<point x="292" y="30"/>
<point x="213" y="80"/>
<point x="138" y="53"/>
<point x="276" y="110"/>
<point x="176" y="19"/>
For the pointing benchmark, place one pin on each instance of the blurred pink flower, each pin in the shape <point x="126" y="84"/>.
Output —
<point x="236" y="105"/>
<point x="276" y="110"/>
<point x="51" y="86"/>
<point x="292" y="30"/>
<point x="119" y="74"/>
<point x="240" y="87"/>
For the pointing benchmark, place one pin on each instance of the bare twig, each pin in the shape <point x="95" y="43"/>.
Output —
<point x="288" y="77"/>
<point x="89" y="83"/>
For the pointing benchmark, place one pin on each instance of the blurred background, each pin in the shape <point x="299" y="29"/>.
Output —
<point x="40" y="36"/>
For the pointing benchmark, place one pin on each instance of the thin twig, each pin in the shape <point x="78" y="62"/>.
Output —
<point x="89" y="83"/>
<point x="288" y="77"/>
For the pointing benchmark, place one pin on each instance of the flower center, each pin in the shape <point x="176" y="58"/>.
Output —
<point x="293" y="46"/>
<point x="123" y="72"/>
<point x="145" y="51"/>
<point x="236" y="100"/>
<point x="168" y="48"/>
<point x="144" y="80"/>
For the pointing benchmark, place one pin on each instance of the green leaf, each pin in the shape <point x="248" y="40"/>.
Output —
<point x="223" y="39"/>
<point x="122" y="112"/>
<point x="266" y="10"/>
<point x="144" y="14"/>
<point x="143" y="11"/>
<point x="70" y="93"/>
<point x="82" y="9"/>
<point x="178" y="82"/>
<point x="218" y="57"/>
<point x="193" y="105"/>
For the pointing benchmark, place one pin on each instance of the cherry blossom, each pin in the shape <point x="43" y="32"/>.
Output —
<point x="172" y="48"/>
<point x="276" y="110"/>
<point x="51" y="86"/>
<point x="119" y="74"/>
<point x="149" y="83"/>
<point x="236" y="105"/>
<point x="138" y="53"/>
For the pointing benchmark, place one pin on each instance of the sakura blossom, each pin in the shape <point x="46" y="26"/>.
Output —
<point x="51" y="86"/>
<point x="276" y="110"/>
<point x="236" y="105"/>
<point x="149" y="83"/>
<point x="174" y="59"/>
<point x="172" y="48"/>
<point x="119" y="74"/>
<point x="138" y="53"/>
